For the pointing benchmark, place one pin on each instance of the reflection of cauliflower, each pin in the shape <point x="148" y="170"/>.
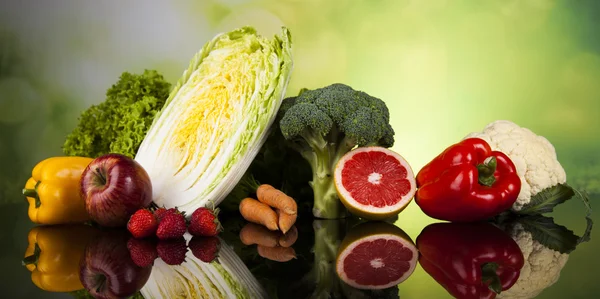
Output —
<point x="542" y="266"/>
<point x="533" y="155"/>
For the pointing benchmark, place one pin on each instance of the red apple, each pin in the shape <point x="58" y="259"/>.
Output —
<point x="107" y="270"/>
<point x="114" y="187"/>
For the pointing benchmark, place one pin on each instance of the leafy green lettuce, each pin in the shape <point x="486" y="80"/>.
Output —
<point x="120" y="123"/>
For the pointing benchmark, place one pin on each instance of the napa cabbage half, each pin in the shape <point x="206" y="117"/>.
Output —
<point x="216" y="118"/>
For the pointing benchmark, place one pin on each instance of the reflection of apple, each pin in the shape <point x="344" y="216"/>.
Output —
<point x="106" y="269"/>
<point x="114" y="187"/>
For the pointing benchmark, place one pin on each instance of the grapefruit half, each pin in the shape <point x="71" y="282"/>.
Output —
<point x="376" y="255"/>
<point x="374" y="182"/>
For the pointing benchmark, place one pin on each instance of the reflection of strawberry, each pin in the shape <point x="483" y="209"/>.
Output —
<point x="204" y="222"/>
<point x="171" y="226"/>
<point x="205" y="248"/>
<point x="172" y="252"/>
<point x="142" y="251"/>
<point x="142" y="224"/>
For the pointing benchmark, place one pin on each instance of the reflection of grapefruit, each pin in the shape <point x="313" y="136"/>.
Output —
<point x="374" y="182"/>
<point x="376" y="255"/>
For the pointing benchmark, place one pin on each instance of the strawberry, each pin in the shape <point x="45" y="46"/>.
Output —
<point x="142" y="251"/>
<point x="171" y="226"/>
<point x="142" y="224"/>
<point x="205" y="248"/>
<point x="205" y="222"/>
<point x="173" y="251"/>
<point x="161" y="212"/>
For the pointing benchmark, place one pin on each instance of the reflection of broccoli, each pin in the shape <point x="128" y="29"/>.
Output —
<point x="322" y="281"/>
<point x="313" y="273"/>
<point x="326" y="123"/>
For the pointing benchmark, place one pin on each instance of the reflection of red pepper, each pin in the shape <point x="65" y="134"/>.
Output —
<point x="470" y="260"/>
<point x="467" y="182"/>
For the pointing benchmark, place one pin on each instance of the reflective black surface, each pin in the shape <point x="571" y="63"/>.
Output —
<point x="311" y="269"/>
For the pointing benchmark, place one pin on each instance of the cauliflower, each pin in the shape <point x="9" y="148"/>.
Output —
<point x="533" y="155"/>
<point x="542" y="265"/>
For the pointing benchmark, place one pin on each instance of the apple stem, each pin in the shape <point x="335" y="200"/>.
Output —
<point x="101" y="177"/>
<point x="101" y="285"/>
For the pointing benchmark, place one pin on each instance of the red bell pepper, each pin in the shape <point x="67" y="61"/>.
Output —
<point x="470" y="260"/>
<point x="467" y="182"/>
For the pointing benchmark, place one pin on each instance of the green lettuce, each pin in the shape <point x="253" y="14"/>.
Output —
<point x="119" y="123"/>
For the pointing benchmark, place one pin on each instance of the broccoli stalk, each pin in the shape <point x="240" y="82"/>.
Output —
<point x="323" y="125"/>
<point x="322" y="154"/>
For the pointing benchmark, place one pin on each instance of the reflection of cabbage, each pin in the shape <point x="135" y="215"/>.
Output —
<point x="542" y="266"/>
<point x="226" y="277"/>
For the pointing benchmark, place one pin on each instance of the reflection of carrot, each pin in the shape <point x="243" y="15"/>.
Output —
<point x="290" y="238"/>
<point x="259" y="213"/>
<point x="278" y="254"/>
<point x="276" y="198"/>
<point x="285" y="220"/>
<point x="258" y="234"/>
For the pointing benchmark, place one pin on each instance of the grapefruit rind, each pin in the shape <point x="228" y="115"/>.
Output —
<point x="367" y="211"/>
<point x="369" y="232"/>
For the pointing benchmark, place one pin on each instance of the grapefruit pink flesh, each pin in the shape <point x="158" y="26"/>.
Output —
<point x="374" y="182"/>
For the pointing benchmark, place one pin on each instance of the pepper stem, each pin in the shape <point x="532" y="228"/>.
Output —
<point x="486" y="171"/>
<point x="489" y="276"/>
<point x="32" y="259"/>
<point x="33" y="193"/>
<point x="30" y="192"/>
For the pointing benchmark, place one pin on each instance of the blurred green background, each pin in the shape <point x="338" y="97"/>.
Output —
<point x="445" y="67"/>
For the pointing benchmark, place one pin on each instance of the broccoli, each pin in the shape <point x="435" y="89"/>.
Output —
<point x="324" y="124"/>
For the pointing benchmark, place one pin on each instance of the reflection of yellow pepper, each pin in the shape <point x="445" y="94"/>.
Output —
<point x="54" y="253"/>
<point x="53" y="191"/>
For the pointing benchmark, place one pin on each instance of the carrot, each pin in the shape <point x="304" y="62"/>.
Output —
<point x="290" y="238"/>
<point x="285" y="220"/>
<point x="278" y="254"/>
<point x="259" y="213"/>
<point x="253" y="233"/>
<point x="276" y="198"/>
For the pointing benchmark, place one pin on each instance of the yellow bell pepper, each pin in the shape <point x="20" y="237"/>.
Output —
<point x="53" y="191"/>
<point x="54" y="254"/>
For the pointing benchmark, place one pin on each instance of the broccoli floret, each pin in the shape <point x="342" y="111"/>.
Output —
<point x="324" y="124"/>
